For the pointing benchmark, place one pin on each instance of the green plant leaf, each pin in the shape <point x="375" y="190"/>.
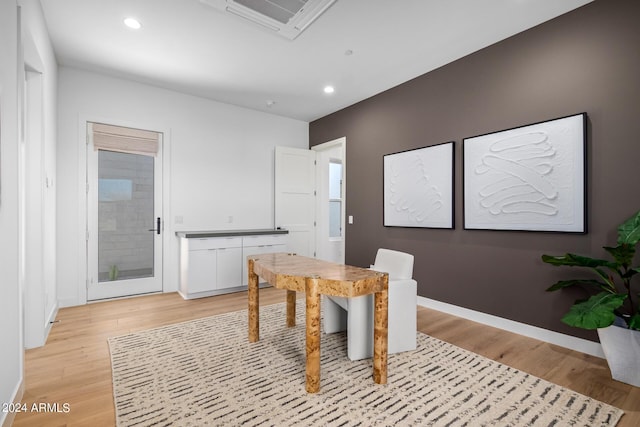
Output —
<point x="573" y="260"/>
<point x="561" y="284"/>
<point x="630" y="273"/>
<point x="596" y="312"/>
<point x="623" y="253"/>
<point x="634" y="322"/>
<point x="608" y="279"/>
<point x="629" y="231"/>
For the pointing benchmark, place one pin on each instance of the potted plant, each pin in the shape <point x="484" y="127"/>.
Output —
<point x="613" y="307"/>
<point x="113" y="272"/>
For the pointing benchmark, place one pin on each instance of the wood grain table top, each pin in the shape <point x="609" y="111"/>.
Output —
<point x="289" y="271"/>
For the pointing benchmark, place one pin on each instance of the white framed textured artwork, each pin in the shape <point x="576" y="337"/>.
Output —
<point x="418" y="187"/>
<point x="528" y="178"/>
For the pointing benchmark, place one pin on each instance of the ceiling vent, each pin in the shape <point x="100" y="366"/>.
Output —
<point x="287" y="18"/>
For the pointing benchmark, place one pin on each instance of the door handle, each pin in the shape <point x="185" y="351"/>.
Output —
<point x="157" y="229"/>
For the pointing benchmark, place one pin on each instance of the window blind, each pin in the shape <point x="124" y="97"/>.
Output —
<point x="125" y="140"/>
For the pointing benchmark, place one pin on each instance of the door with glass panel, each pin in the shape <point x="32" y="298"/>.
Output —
<point x="124" y="203"/>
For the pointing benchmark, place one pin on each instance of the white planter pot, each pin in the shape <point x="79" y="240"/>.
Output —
<point x="621" y="347"/>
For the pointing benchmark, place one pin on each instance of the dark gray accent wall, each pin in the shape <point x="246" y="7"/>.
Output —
<point x="585" y="61"/>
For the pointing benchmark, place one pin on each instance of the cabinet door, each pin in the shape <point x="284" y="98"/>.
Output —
<point x="229" y="268"/>
<point x="202" y="271"/>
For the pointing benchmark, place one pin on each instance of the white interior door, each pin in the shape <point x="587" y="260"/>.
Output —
<point x="295" y="197"/>
<point x="124" y="205"/>
<point x="330" y="200"/>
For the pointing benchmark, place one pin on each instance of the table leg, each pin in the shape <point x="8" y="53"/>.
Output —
<point x="291" y="308"/>
<point x="380" y="333"/>
<point x="313" y="335"/>
<point x="254" y="305"/>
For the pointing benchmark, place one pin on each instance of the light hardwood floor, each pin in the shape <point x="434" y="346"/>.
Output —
<point x="74" y="366"/>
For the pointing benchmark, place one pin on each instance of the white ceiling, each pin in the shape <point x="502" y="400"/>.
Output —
<point x="187" y="46"/>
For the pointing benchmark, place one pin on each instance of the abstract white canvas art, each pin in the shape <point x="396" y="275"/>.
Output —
<point x="418" y="187"/>
<point x="528" y="178"/>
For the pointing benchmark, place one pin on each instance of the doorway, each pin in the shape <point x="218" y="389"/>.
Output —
<point x="124" y="205"/>
<point x="330" y="200"/>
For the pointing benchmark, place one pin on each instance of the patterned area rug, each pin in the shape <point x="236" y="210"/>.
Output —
<point x="205" y="372"/>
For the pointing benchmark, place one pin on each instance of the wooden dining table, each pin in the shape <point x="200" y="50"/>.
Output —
<point x="315" y="277"/>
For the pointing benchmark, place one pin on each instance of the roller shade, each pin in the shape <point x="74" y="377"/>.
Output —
<point x="125" y="140"/>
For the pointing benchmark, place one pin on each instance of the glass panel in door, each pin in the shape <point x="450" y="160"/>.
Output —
<point x="125" y="216"/>
<point x="335" y="199"/>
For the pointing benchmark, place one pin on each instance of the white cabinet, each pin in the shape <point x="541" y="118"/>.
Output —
<point x="217" y="265"/>
<point x="201" y="274"/>
<point x="255" y="245"/>
<point x="208" y="265"/>
<point x="229" y="274"/>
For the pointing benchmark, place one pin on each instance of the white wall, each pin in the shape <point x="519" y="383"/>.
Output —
<point x="218" y="163"/>
<point x="11" y="359"/>
<point x="24" y="42"/>
<point x="40" y="175"/>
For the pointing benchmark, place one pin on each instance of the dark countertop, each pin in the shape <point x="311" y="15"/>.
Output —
<point x="227" y="233"/>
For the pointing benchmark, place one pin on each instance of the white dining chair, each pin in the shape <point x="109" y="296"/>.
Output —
<point x="355" y="315"/>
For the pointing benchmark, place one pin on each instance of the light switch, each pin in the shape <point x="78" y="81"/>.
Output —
<point x="350" y="219"/>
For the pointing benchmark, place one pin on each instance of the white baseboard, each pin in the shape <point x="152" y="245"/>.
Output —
<point x="53" y="313"/>
<point x="6" y="418"/>
<point x="556" y="338"/>
<point x="50" y="321"/>
<point x="67" y="302"/>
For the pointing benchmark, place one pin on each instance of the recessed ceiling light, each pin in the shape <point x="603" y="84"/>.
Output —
<point x="329" y="89"/>
<point x="132" y="23"/>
